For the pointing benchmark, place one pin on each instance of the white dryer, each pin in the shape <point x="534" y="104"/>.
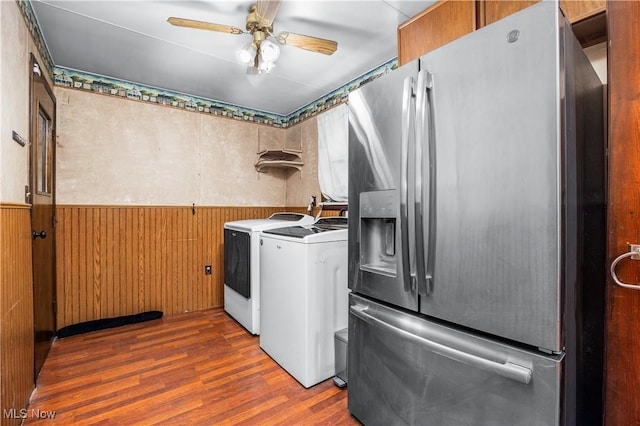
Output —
<point x="242" y="265"/>
<point x="304" y="296"/>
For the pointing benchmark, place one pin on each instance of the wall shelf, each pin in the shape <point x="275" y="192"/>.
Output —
<point x="279" y="158"/>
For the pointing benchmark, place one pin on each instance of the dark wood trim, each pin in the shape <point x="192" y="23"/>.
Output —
<point x="592" y="30"/>
<point x="6" y="205"/>
<point x="622" y="371"/>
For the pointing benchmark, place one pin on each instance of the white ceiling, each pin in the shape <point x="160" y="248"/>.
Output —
<point x="132" y="41"/>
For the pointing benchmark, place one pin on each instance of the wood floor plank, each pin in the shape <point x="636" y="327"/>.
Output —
<point x="197" y="368"/>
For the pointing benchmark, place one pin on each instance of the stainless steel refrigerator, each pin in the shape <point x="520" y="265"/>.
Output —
<point x="477" y="232"/>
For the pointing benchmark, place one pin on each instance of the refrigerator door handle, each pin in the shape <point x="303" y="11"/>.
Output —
<point x="419" y="245"/>
<point x="425" y="179"/>
<point x="407" y="235"/>
<point x="507" y="369"/>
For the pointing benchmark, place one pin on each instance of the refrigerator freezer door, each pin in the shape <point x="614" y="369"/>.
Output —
<point x="496" y="244"/>
<point x="404" y="369"/>
<point x="381" y="179"/>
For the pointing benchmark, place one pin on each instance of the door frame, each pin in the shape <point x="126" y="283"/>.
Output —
<point x="37" y="77"/>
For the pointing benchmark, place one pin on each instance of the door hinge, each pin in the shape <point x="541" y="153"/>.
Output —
<point x="54" y="221"/>
<point x="55" y="307"/>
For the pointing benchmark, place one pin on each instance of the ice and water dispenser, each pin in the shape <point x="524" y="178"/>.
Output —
<point x="378" y="229"/>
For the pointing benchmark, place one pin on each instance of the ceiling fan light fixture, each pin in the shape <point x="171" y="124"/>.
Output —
<point x="265" y="67"/>
<point x="269" y="51"/>
<point x="247" y="54"/>
<point x="261" y="54"/>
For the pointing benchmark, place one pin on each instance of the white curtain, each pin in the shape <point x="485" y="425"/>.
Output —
<point x="333" y="153"/>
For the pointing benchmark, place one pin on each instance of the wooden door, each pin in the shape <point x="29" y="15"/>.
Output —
<point x="42" y="189"/>
<point x="622" y="371"/>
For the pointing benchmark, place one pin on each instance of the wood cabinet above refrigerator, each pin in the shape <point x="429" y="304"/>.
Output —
<point x="436" y="26"/>
<point x="448" y="20"/>
<point x="574" y="10"/>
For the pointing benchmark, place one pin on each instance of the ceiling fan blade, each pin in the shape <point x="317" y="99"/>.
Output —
<point x="266" y="10"/>
<point x="313" y="44"/>
<point x="201" y="25"/>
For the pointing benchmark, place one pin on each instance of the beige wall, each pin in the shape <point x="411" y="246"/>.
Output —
<point x="115" y="151"/>
<point x="301" y="185"/>
<point x="14" y="106"/>
<point x="16" y="46"/>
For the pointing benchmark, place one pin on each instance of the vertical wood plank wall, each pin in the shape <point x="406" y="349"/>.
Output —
<point x="16" y="310"/>
<point x="121" y="260"/>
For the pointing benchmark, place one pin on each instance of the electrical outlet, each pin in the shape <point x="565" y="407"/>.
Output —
<point x="207" y="269"/>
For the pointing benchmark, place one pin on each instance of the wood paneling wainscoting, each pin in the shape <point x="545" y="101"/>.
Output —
<point x="121" y="260"/>
<point x="16" y="311"/>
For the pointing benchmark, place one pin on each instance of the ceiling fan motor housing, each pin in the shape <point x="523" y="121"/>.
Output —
<point x="256" y="24"/>
<point x="258" y="37"/>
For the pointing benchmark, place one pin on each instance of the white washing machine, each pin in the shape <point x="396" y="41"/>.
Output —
<point x="242" y="265"/>
<point x="304" y="296"/>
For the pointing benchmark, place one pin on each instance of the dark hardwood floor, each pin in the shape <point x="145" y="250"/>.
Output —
<point x="197" y="368"/>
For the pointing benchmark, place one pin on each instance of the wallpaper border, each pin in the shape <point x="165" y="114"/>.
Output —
<point x="65" y="77"/>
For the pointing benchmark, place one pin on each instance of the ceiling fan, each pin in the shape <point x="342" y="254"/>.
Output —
<point x="260" y="54"/>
